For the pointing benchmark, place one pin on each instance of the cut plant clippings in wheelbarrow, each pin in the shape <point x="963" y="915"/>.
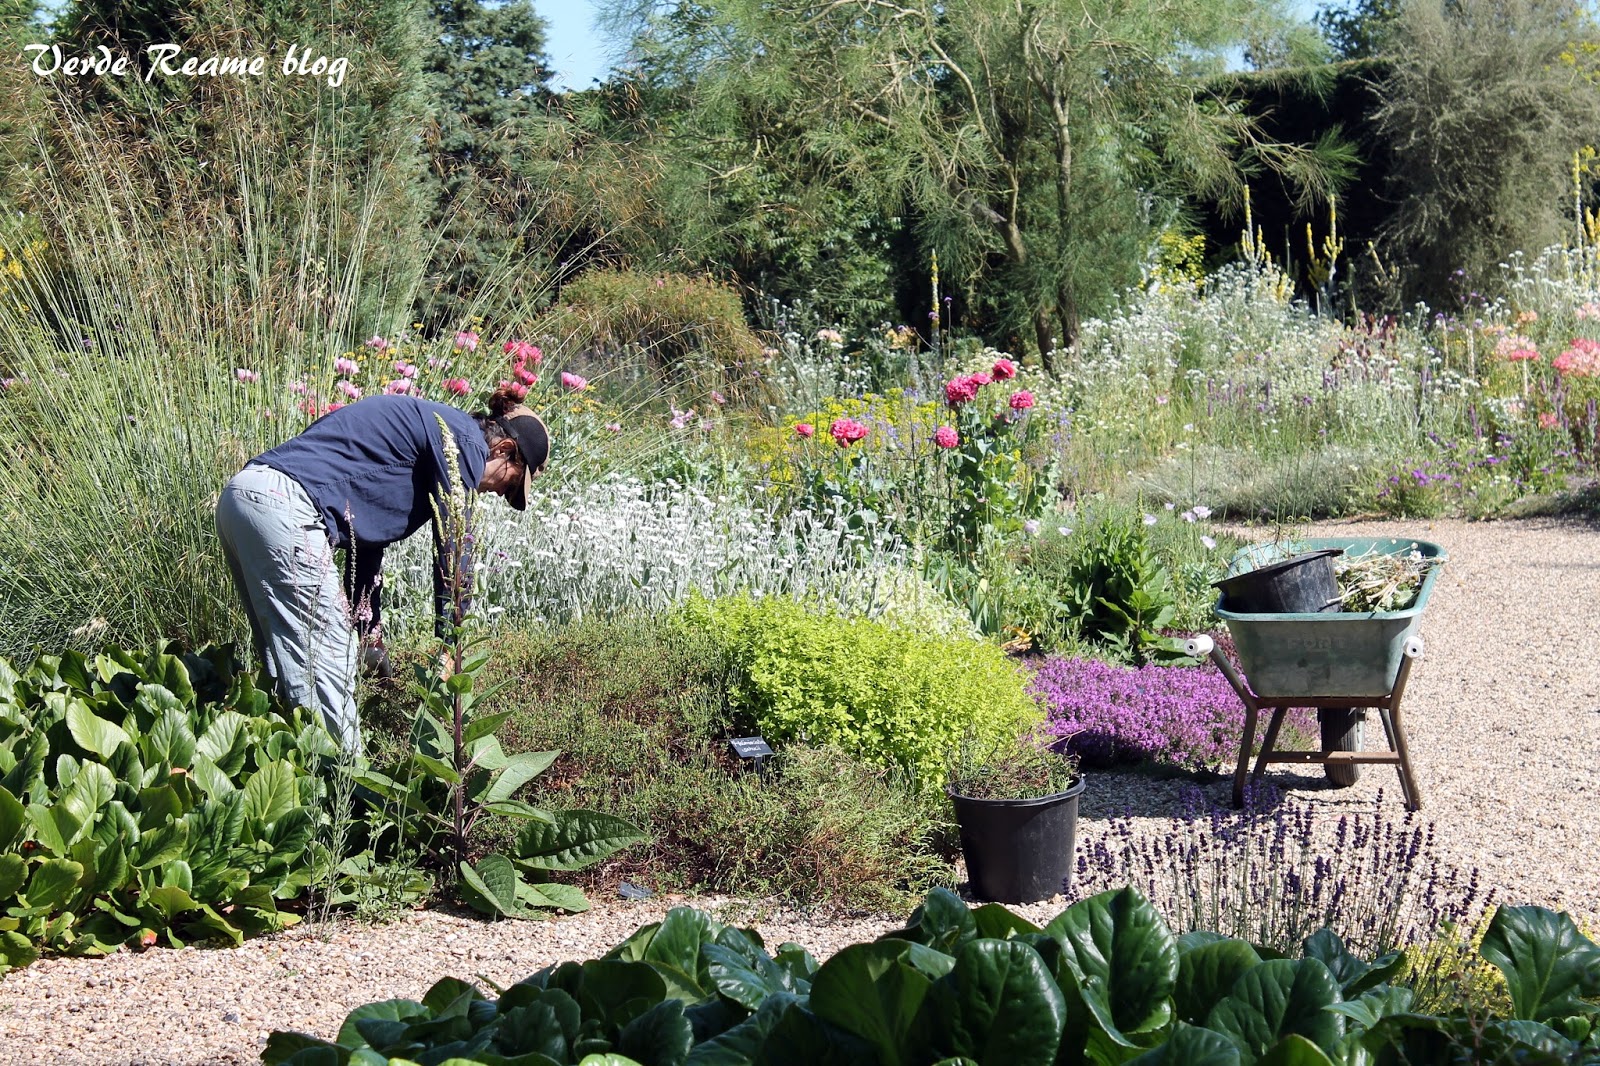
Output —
<point x="1352" y="654"/>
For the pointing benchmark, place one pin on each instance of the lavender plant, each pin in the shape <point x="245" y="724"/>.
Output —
<point x="1274" y="873"/>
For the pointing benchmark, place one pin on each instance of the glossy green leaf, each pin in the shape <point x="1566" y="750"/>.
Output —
<point x="483" y="725"/>
<point x="13" y="872"/>
<point x="548" y="896"/>
<point x="1191" y="1046"/>
<point x="393" y="1010"/>
<point x="999" y="1006"/>
<point x="518" y="771"/>
<point x="942" y="922"/>
<point x="578" y="838"/>
<point x="661" y="1036"/>
<point x="16" y="951"/>
<point x="1372" y="1006"/>
<point x="491" y="886"/>
<point x="1118" y="952"/>
<point x="52" y="883"/>
<point x="1294" y="1050"/>
<point x="93" y="733"/>
<point x="874" y="992"/>
<point x="270" y="793"/>
<point x="1550" y="967"/>
<point x="1354" y="975"/>
<point x="437" y="768"/>
<point x="1277" y="998"/>
<point x="13" y="819"/>
<point x="1206" y="974"/>
<point x="742" y="1045"/>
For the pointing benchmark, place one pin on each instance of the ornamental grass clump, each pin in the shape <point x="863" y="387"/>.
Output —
<point x="1184" y="715"/>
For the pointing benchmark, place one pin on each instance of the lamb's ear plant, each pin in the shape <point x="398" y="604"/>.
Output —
<point x="456" y="757"/>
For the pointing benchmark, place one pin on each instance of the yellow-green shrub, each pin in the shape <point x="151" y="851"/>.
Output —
<point x="887" y="695"/>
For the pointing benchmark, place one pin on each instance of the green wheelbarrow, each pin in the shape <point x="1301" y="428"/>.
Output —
<point x="1340" y="663"/>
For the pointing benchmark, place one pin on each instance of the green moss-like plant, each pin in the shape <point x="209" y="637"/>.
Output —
<point x="889" y="696"/>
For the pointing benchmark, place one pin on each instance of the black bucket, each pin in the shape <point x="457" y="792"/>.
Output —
<point x="1019" y="851"/>
<point x="1300" y="584"/>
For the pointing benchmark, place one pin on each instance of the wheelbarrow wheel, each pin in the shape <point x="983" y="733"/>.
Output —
<point x="1341" y="731"/>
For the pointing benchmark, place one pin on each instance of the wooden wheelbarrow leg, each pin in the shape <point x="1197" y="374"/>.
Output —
<point x="1396" y="727"/>
<point x="1269" y="741"/>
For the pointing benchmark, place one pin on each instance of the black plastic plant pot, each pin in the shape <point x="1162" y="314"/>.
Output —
<point x="1300" y="584"/>
<point x="1019" y="851"/>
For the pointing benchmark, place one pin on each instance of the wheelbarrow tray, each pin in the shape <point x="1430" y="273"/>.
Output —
<point x="1327" y="655"/>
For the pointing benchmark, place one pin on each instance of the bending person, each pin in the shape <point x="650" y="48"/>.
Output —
<point x="360" y="478"/>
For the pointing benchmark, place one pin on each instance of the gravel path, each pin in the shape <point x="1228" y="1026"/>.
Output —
<point x="1504" y="723"/>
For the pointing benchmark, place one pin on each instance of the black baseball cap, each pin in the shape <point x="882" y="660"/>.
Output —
<point x="533" y="441"/>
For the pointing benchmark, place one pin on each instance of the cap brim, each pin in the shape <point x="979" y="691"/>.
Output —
<point x="533" y="443"/>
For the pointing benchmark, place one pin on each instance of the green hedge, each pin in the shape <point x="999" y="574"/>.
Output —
<point x="886" y="695"/>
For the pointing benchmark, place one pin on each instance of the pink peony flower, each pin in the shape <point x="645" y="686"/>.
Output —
<point x="982" y="377"/>
<point x="613" y="427"/>
<point x="398" y="387"/>
<point x="519" y="391"/>
<point x="458" y="386"/>
<point x="526" y="376"/>
<point x="378" y="344"/>
<point x="945" y="437"/>
<point x="805" y="430"/>
<point x="1022" y="400"/>
<point x="332" y="407"/>
<point x="1004" y="370"/>
<point x="960" y="390"/>
<point x="523" y="352"/>
<point x="246" y="376"/>
<point x="350" y="390"/>
<point x="846" y="431"/>
<point x="405" y="369"/>
<point x="342" y="365"/>
<point x="466" y="341"/>
<point x="574" y="382"/>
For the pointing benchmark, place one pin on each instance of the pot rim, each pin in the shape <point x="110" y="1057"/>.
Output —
<point x="1072" y="792"/>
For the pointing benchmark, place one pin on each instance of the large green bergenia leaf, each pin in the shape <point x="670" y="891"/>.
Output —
<point x="93" y="733"/>
<point x="1354" y="976"/>
<point x="1191" y="1046"/>
<point x="1279" y="997"/>
<point x="270" y="794"/>
<point x="1206" y="974"/>
<point x="12" y="817"/>
<point x="53" y="882"/>
<point x="875" y="991"/>
<point x="1122" y="958"/>
<point x="1550" y="967"/>
<point x="661" y="1036"/>
<point x="942" y="922"/>
<point x="578" y="838"/>
<point x="999" y="1006"/>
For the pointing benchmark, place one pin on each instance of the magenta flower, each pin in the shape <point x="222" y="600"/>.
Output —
<point x="574" y="382"/>
<point x="804" y="430"/>
<point x="1022" y="400"/>
<point x="523" y="352"/>
<point x="342" y="365"/>
<point x="398" y="387"/>
<point x="519" y="391"/>
<point x="405" y="369"/>
<point x="846" y="431"/>
<point x="246" y="376"/>
<point x="458" y="386"/>
<point x="1004" y="370"/>
<point x="466" y="341"/>
<point x="350" y="390"/>
<point x="378" y="344"/>
<point x="961" y="390"/>
<point x="945" y="437"/>
<point x="681" y="419"/>
<point x="613" y="427"/>
<point x="717" y="397"/>
<point x="299" y="388"/>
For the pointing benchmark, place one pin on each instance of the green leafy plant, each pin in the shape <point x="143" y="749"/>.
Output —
<point x="456" y="772"/>
<point x="149" y="800"/>
<point x="1105" y="982"/>
<point x="885" y="695"/>
<point x="1026" y="768"/>
<point x="1121" y="593"/>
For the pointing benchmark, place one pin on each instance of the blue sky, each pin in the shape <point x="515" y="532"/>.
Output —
<point x="576" y="52"/>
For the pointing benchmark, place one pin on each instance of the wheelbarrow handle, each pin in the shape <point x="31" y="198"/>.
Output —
<point x="1198" y="647"/>
<point x="1413" y="648"/>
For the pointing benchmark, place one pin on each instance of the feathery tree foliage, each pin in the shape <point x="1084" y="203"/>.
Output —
<point x="1485" y="104"/>
<point x="1036" y="146"/>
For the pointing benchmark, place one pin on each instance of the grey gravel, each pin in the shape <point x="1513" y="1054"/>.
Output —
<point x="1503" y="716"/>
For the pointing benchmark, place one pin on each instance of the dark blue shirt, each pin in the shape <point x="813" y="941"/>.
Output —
<point x="373" y="468"/>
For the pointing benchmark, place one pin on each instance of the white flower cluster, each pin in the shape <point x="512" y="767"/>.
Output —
<point x="623" y="545"/>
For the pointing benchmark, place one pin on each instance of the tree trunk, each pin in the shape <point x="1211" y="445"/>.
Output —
<point x="1043" y="336"/>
